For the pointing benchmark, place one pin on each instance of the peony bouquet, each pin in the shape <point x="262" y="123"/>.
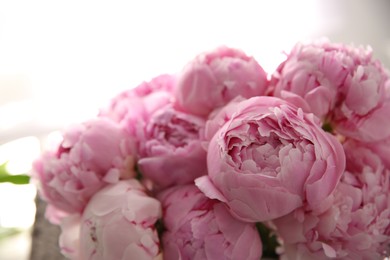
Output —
<point x="223" y="161"/>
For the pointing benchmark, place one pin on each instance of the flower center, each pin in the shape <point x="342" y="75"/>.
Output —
<point x="173" y="130"/>
<point x="254" y="153"/>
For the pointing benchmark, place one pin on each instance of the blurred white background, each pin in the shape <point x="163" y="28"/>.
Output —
<point x="61" y="60"/>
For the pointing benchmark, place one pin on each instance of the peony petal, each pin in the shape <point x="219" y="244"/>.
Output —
<point x="207" y="187"/>
<point x="329" y="251"/>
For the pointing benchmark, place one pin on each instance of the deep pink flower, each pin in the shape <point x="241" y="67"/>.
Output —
<point x="356" y="226"/>
<point x="119" y="223"/>
<point x="90" y="156"/>
<point x="341" y="84"/>
<point x="270" y="158"/>
<point x="214" y="78"/>
<point x="198" y="228"/>
<point x="170" y="148"/>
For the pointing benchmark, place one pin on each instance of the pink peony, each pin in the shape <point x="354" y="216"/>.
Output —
<point x="135" y="105"/>
<point x="90" y="156"/>
<point x="213" y="79"/>
<point x="199" y="228"/>
<point x="342" y="85"/>
<point x="357" y="226"/>
<point x="170" y="148"/>
<point x="119" y="223"/>
<point x="270" y="158"/>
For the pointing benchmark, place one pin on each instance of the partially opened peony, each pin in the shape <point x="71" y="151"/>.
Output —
<point x="91" y="155"/>
<point x="198" y="228"/>
<point x="214" y="78"/>
<point x="343" y="85"/>
<point x="170" y="148"/>
<point x="270" y="158"/>
<point x="357" y="226"/>
<point x="119" y="223"/>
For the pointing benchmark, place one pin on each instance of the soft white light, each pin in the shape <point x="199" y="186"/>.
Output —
<point x="17" y="205"/>
<point x="20" y="154"/>
<point x="75" y="55"/>
<point x="52" y="141"/>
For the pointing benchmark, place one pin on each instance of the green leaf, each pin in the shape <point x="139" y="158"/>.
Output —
<point x="15" y="179"/>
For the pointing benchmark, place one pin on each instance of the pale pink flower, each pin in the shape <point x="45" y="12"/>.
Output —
<point x="214" y="78"/>
<point x="170" y="148"/>
<point x="198" y="228"/>
<point x="119" y="223"/>
<point x="356" y="226"/>
<point x="343" y="85"/>
<point x="90" y="156"/>
<point x="270" y="158"/>
<point x="69" y="240"/>
<point x="54" y="215"/>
